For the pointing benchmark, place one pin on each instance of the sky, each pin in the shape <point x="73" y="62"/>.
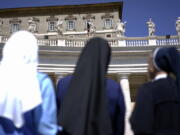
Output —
<point x="164" y="14"/>
<point x="135" y="12"/>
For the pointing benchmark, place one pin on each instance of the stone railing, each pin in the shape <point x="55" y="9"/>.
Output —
<point x="47" y="42"/>
<point x="130" y="42"/>
<point x="114" y="42"/>
<point x="168" y="41"/>
<point x="74" y="43"/>
<point x="3" y="39"/>
<point x="150" y="41"/>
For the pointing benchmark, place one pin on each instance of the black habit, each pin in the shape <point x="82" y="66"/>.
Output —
<point x="157" y="109"/>
<point x="84" y="110"/>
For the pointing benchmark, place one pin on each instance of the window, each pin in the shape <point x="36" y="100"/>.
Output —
<point x="108" y="35"/>
<point x="52" y="22"/>
<point x="108" y="23"/>
<point x="51" y="26"/>
<point x="14" y="24"/>
<point x="86" y="24"/>
<point x="70" y="25"/>
<point x="15" y="27"/>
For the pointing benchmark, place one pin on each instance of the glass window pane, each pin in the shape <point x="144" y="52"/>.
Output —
<point x="15" y="27"/>
<point x="107" y="23"/>
<point x="51" y="26"/>
<point x="70" y="25"/>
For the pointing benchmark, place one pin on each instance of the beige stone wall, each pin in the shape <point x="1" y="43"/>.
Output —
<point x="79" y="13"/>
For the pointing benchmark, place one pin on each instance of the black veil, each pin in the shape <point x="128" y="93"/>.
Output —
<point x="84" y="110"/>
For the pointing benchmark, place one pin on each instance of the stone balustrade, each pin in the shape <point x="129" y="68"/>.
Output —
<point x="114" y="42"/>
<point x="74" y="42"/>
<point x="47" y="42"/>
<point x="3" y="39"/>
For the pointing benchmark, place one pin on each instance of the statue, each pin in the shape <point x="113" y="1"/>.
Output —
<point x="32" y="25"/>
<point x="178" y="26"/>
<point x="91" y="29"/>
<point x="120" y="28"/>
<point x="59" y="27"/>
<point x="151" y="27"/>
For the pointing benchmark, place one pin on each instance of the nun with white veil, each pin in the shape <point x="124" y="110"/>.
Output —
<point x="20" y="94"/>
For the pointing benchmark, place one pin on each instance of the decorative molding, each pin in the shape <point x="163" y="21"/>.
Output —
<point x="70" y="17"/>
<point x="122" y="71"/>
<point x="14" y="20"/>
<point x="88" y="16"/>
<point x="107" y="15"/>
<point x="34" y="19"/>
<point x="105" y="28"/>
<point x="52" y="18"/>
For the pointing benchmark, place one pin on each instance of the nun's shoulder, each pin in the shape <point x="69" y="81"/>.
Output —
<point x="112" y="83"/>
<point x="66" y="79"/>
<point x="146" y="88"/>
<point x="147" y="85"/>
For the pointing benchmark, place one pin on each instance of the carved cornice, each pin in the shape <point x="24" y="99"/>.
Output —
<point x="88" y="16"/>
<point x="52" y="10"/>
<point x="70" y="17"/>
<point x="35" y="19"/>
<point x="52" y="18"/>
<point x="15" y="20"/>
<point x="107" y="15"/>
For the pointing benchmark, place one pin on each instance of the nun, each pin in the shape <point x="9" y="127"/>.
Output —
<point x="23" y="105"/>
<point x="84" y="109"/>
<point x="116" y="104"/>
<point x="157" y="109"/>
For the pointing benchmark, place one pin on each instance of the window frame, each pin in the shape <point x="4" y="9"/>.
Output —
<point x="71" y="25"/>
<point x="106" y="25"/>
<point x="52" y="28"/>
<point x="15" y="27"/>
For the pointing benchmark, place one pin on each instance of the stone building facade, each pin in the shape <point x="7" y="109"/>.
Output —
<point x="73" y="18"/>
<point x="62" y="33"/>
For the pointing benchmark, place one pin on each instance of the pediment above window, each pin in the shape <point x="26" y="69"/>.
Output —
<point x="88" y="16"/>
<point x="70" y="17"/>
<point x="107" y="15"/>
<point x="52" y="18"/>
<point x="15" y="20"/>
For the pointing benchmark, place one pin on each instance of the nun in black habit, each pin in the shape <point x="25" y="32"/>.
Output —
<point x="84" y="110"/>
<point x="157" y="109"/>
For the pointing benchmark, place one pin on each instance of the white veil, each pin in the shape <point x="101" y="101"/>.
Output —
<point x="19" y="87"/>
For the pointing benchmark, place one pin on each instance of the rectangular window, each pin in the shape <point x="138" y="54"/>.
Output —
<point x="15" y="27"/>
<point x="108" y="23"/>
<point x="86" y="23"/>
<point x="108" y="36"/>
<point x="51" y="26"/>
<point x="70" y="25"/>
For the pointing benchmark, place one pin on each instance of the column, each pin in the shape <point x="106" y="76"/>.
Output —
<point x="124" y="83"/>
